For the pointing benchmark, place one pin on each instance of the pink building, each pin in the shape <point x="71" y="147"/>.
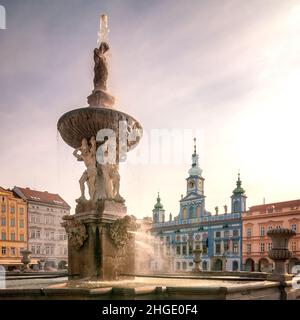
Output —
<point x="256" y="223"/>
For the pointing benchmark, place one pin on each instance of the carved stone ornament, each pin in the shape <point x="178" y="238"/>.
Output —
<point x="121" y="231"/>
<point x="76" y="232"/>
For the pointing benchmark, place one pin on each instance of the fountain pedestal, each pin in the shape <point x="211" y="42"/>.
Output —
<point x="94" y="251"/>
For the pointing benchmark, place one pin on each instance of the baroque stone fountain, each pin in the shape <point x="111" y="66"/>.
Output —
<point x="100" y="243"/>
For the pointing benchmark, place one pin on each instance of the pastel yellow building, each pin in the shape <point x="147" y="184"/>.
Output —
<point x="13" y="229"/>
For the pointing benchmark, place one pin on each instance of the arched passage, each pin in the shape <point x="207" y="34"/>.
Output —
<point x="218" y="265"/>
<point x="249" y="265"/>
<point x="235" y="265"/>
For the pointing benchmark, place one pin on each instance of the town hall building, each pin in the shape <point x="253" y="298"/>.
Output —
<point x="219" y="236"/>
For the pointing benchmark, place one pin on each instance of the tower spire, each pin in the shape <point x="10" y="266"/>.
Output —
<point x="158" y="204"/>
<point x="238" y="189"/>
<point x="195" y="169"/>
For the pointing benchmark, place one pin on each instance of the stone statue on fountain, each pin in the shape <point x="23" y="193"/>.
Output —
<point x="103" y="180"/>
<point x="88" y="156"/>
<point x="101" y="67"/>
<point x="100" y="97"/>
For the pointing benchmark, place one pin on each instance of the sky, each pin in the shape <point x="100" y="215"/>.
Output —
<point x="226" y="71"/>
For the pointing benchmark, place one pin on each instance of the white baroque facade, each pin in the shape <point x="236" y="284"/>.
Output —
<point x="47" y="239"/>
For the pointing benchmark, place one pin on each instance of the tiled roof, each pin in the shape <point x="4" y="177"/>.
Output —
<point x="42" y="196"/>
<point x="277" y="205"/>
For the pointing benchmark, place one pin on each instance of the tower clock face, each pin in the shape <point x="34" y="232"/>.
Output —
<point x="191" y="184"/>
<point x="200" y="184"/>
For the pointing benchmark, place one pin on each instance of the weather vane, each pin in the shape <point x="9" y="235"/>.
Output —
<point x="103" y="29"/>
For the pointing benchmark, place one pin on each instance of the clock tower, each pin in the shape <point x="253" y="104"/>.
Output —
<point x="193" y="204"/>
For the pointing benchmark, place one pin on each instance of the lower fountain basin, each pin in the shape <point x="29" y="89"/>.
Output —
<point x="81" y="123"/>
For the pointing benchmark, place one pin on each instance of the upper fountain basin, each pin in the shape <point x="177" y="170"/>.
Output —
<point x="81" y="123"/>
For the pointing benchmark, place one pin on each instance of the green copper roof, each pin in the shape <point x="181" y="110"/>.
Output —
<point x="238" y="189"/>
<point x="158" y="204"/>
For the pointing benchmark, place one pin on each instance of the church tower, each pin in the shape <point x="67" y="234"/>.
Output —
<point x="193" y="204"/>
<point x="238" y="198"/>
<point x="158" y="211"/>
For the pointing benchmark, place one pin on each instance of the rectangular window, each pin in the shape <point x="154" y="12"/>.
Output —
<point x="38" y="249"/>
<point x="21" y="237"/>
<point x="32" y="218"/>
<point x="249" y="232"/>
<point x="12" y="209"/>
<point x="262" y="231"/>
<point x="65" y="251"/>
<point x="13" y="251"/>
<point x="226" y="246"/>
<point x="235" y="233"/>
<point x="3" y="236"/>
<point x="32" y="234"/>
<point x="38" y="234"/>
<point x="3" y="251"/>
<point x="178" y="251"/>
<point x="22" y="223"/>
<point x="236" y="247"/>
<point x="184" y="265"/>
<point x="218" y="248"/>
<point x="177" y="265"/>
<point x="12" y="237"/>
<point x="262" y="247"/>
<point x="226" y="234"/>
<point x="47" y="235"/>
<point x="168" y="250"/>
<point x="33" y="249"/>
<point x="270" y="245"/>
<point x="294" y="246"/>
<point x="52" y="236"/>
<point x="294" y="227"/>
<point x="65" y="236"/>
<point x="47" y="250"/>
<point x="184" y="250"/>
<point x="248" y="248"/>
<point x="3" y="222"/>
<point x="21" y="210"/>
<point x="61" y="236"/>
<point x="12" y="222"/>
<point x="3" y="208"/>
<point x="218" y="234"/>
